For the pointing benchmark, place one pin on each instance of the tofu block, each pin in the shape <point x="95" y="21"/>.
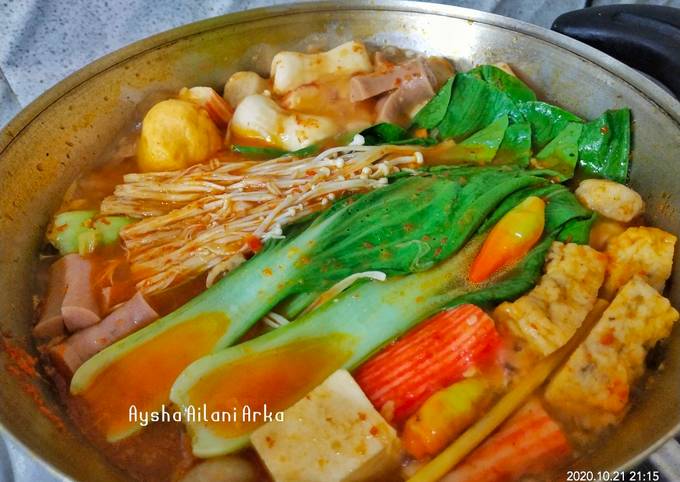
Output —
<point x="547" y="316"/>
<point x="592" y="390"/>
<point x="333" y="435"/>
<point x="641" y="251"/>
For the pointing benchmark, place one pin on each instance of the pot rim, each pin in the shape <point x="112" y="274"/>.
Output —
<point x="665" y="102"/>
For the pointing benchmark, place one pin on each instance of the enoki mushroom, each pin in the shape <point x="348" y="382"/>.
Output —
<point x="210" y="217"/>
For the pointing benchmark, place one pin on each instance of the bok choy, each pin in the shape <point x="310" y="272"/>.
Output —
<point x="408" y="226"/>
<point x="487" y="115"/>
<point x="278" y="368"/>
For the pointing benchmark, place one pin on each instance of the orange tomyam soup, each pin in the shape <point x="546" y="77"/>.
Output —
<point x="367" y="266"/>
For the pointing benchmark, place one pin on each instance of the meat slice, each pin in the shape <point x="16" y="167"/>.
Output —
<point x="592" y="390"/>
<point x="79" y="307"/>
<point x="441" y="68"/>
<point x="641" y="251"/>
<point x="547" y="316"/>
<point x="133" y="315"/>
<point x="119" y="292"/>
<point x="51" y="323"/>
<point x="400" y="106"/>
<point x="71" y="302"/>
<point x="392" y="77"/>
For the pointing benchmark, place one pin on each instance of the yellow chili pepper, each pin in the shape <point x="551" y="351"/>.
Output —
<point x="444" y="416"/>
<point x="510" y="239"/>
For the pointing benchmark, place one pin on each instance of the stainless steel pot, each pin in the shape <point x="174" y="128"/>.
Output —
<point x="65" y="131"/>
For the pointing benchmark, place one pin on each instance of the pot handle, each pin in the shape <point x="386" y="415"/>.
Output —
<point x="645" y="37"/>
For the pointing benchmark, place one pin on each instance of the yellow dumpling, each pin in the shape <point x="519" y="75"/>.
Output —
<point x="176" y="134"/>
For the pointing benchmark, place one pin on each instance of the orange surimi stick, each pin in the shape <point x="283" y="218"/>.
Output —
<point x="434" y="355"/>
<point x="530" y="442"/>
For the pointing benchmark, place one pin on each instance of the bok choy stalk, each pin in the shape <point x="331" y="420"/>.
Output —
<point x="408" y="226"/>
<point x="280" y="367"/>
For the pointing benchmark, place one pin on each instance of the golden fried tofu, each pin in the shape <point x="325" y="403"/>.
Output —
<point x="547" y="316"/>
<point x="603" y="231"/>
<point x="611" y="199"/>
<point x="641" y="251"/>
<point x="591" y="392"/>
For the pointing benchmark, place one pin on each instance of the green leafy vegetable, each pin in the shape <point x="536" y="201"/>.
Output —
<point x="561" y="154"/>
<point x="473" y="108"/>
<point x="383" y="133"/>
<point x="517" y="90"/>
<point x="272" y="152"/>
<point x="408" y="226"/>
<point x="355" y="324"/>
<point x="67" y="227"/>
<point x="433" y="112"/>
<point x="516" y="146"/>
<point x="546" y="121"/>
<point x="87" y="242"/>
<point x="481" y="147"/>
<point x="468" y="107"/>
<point x="605" y="144"/>
<point x="474" y="105"/>
<point x="562" y="207"/>
<point x="386" y="133"/>
<point x="577" y="230"/>
<point x="415" y="141"/>
<point x="82" y="232"/>
<point x="109" y="228"/>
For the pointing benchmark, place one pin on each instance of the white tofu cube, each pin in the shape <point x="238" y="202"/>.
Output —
<point x="333" y="434"/>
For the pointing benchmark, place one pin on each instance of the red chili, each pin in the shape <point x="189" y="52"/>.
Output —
<point x="254" y="243"/>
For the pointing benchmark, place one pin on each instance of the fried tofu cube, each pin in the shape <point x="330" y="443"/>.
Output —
<point x="547" y="316"/>
<point x="592" y="390"/>
<point x="333" y="434"/>
<point x="639" y="251"/>
<point x="611" y="199"/>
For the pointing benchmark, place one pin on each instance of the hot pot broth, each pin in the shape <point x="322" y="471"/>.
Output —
<point x="352" y="263"/>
